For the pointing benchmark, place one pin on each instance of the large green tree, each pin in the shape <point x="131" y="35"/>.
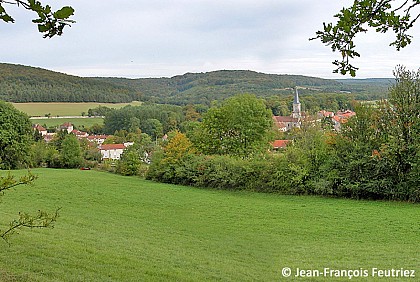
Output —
<point x="401" y="122"/>
<point x="241" y="126"/>
<point x="381" y="15"/>
<point x="16" y="136"/>
<point x="49" y="22"/>
<point x="70" y="152"/>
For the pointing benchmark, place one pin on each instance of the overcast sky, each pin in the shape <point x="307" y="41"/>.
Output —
<point x="157" y="38"/>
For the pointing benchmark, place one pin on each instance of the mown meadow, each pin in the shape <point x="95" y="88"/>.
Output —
<point x="116" y="228"/>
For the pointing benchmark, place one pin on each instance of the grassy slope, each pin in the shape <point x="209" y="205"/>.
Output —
<point x="115" y="228"/>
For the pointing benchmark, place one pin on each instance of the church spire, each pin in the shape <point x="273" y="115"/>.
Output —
<point x="296" y="105"/>
<point x="296" y="100"/>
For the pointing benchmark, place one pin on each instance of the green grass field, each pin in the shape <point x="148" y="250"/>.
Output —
<point x="115" y="228"/>
<point x="64" y="109"/>
<point x="78" y="122"/>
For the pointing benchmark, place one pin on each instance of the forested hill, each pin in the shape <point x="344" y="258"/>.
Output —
<point x="28" y="84"/>
<point x="202" y="88"/>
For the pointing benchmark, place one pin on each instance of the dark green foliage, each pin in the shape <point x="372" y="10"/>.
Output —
<point x="64" y="151"/>
<point x="241" y="126"/>
<point x="70" y="152"/>
<point x="152" y="127"/>
<point x="130" y="163"/>
<point x="134" y="160"/>
<point x="16" y="136"/>
<point x="145" y="117"/>
<point x="27" y="84"/>
<point x="99" y="111"/>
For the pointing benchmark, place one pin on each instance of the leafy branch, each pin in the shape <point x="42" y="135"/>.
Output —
<point x="50" y="23"/>
<point x="40" y="220"/>
<point x="383" y="15"/>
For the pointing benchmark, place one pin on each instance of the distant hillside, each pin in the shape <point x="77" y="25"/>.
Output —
<point x="28" y="84"/>
<point x="370" y="87"/>
<point x="202" y="88"/>
<point x="206" y="87"/>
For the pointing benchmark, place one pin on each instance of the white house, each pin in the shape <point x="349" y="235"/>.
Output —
<point x="67" y="126"/>
<point x="111" y="151"/>
<point x="40" y="129"/>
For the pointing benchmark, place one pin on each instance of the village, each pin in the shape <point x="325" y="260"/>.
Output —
<point x="282" y="124"/>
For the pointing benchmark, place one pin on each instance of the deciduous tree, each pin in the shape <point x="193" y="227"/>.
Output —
<point x="239" y="127"/>
<point x="16" y="137"/>
<point x="70" y="152"/>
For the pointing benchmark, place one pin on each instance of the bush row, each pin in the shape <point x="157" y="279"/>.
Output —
<point x="278" y="174"/>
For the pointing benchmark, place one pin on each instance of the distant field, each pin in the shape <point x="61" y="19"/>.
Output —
<point x="115" y="228"/>
<point x="78" y="122"/>
<point x="64" y="109"/>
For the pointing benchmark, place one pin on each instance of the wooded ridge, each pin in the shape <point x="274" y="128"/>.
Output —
<point x="20" y="83"/>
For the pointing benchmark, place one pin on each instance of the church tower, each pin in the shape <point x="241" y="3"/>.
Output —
<point x="296" y="106"/>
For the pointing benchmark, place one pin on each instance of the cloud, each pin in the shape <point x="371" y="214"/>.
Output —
<point x="138" y="38"/>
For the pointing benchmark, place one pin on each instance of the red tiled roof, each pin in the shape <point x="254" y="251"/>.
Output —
<point x="342" y="117"/>
<point x="346" y="114"/>
<point x="112" y="146"/>
<point x="280" y="143"/>
<point x="77" y="132"/>
<point x="39" y="127"/>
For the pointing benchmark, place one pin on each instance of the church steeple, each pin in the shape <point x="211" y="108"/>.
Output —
<point x="296" y="105"/>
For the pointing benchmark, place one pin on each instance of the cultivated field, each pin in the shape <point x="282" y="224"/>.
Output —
<point x="64" y="109"/>
<point x="77" y="122"/>
<point x="115" y="228"/>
